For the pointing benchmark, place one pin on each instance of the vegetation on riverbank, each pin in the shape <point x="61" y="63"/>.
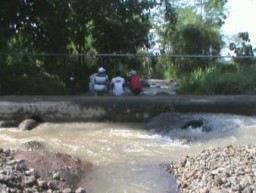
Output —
<point x="43" y="44"/>
<point x="220" y="79"/>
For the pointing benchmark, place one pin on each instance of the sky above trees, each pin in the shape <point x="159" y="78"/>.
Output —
<point x="242" y="16"/>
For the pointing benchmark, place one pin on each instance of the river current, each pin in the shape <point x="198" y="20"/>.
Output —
<point x="129" y="158"/>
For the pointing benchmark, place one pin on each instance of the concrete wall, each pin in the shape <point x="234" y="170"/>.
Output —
<point x="118" y="109"/>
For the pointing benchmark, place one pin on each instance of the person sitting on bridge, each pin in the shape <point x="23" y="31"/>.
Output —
<point x="134" y="82"/>
<point x="117" y="84"/>
<point x="101" y="82"/>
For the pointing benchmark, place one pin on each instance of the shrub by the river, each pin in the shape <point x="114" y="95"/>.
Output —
<point x="220" y="79"/>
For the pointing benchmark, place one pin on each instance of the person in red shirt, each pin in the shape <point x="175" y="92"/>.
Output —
<point x="134" y="82"/>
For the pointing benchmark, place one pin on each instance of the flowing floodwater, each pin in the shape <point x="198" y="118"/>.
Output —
<point x="127" y="157"/>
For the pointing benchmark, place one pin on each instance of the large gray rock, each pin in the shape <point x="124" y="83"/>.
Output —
<point x="28" y="124"/>
<point x="198" y="126"/>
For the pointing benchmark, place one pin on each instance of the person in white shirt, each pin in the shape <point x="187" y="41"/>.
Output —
<point x="117" y="84"/>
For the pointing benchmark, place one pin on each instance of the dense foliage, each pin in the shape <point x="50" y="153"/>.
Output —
<point x="192" y="31"/>
<point x="220" y="79"/>
<point x="43" y="43"/>
<point x="68" y="30"/>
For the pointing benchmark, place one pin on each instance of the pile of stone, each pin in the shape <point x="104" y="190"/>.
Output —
<point x="217" y="170"/>
<point x="16" y="176"/>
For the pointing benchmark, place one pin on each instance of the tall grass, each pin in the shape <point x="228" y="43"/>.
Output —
<point x="220" y="79"/>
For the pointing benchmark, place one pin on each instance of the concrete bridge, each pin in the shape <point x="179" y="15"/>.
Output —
<point x="119" y="109"/>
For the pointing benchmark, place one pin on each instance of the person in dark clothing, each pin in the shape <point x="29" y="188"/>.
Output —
<point x="72" y="83"/>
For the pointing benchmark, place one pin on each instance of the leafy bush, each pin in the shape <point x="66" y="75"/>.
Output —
<point x="33" y="81"/>
<point x="220" y="80"/>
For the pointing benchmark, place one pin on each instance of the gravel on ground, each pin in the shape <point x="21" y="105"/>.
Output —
<point x="228" y="169"/>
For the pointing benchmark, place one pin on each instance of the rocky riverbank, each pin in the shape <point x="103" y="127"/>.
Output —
<point x="39" y="170"/>
<point x="33" y="168"/>
<point x="217" y="170"/>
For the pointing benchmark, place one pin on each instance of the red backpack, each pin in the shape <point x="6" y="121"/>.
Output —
<point x="136" y="82"/>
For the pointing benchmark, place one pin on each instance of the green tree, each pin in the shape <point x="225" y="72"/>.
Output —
<point x="213" y="12"/>
<point x="120" y="26"/>
<point x="193" y="33"/>
<point x="71" y="26"/>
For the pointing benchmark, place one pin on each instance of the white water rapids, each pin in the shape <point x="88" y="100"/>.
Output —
<point x="127" y="157"/>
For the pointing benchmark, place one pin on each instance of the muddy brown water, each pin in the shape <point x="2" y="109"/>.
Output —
<point x="128" y="158"/>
